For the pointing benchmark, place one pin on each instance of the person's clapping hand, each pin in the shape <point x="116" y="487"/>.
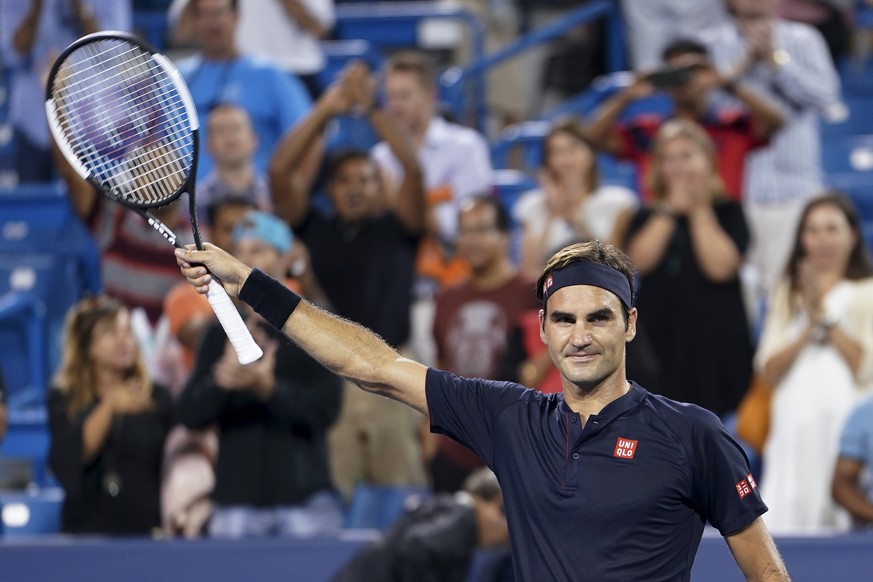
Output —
<point x="259" y="376"/>
<point x="360" y="86"/>
<point x="131" y="397"/>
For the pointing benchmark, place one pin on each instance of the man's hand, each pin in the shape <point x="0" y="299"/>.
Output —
<point x="199" y="267"/>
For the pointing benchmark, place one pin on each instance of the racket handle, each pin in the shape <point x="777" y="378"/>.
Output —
<point x="246" y="349"/>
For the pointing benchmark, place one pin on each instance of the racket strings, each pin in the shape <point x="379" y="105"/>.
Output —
<point x="124" y="118"/>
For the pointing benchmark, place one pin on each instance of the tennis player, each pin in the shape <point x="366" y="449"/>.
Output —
<point x="604" y="481"/>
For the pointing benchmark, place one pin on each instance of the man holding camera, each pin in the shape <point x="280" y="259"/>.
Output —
<point x="692" y="83"/>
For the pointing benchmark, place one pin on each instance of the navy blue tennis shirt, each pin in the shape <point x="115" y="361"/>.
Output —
<point x="625" y="497"/>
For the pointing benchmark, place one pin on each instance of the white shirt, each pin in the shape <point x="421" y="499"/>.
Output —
<point x="598" y="213"/>
<point x="451" y="155"/>
<point x="266" y="29"/>
<point x="803" y="88"/>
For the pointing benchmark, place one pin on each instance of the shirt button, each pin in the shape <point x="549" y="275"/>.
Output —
<point x="575" y="456"/>
<point x="572" y="419"/>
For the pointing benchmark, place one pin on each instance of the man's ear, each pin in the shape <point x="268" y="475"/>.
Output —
<point x="631" y="331"/>
<point x="543" y="326"/>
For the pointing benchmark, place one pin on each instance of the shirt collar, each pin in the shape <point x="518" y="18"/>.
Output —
<point x="436" y="131"/>
<point x="621" y="405"/>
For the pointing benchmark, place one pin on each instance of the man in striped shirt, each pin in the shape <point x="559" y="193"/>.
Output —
<point x="789" y="63"/>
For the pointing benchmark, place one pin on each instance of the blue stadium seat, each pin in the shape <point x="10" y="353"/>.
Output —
<point x="28" y="440"/>
<point x="339" y="52"/>
<point x="48" y="260"/>
<point x="377" y="507"/>
<point x="25" y="514"/>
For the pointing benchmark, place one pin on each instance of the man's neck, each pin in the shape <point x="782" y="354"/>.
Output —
<point x="419" y="132"/>
<point x="222" y="54"/>
<point x="691" y="111"/>
<point x="237" y="177"/>
<point x="493" y="276"/>
<point x="588" y="402"/>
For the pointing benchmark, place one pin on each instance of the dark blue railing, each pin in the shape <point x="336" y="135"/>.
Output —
<point x="454" y="82"/>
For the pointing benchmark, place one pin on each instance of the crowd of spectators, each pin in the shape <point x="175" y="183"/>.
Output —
<point x="729" y="220"/>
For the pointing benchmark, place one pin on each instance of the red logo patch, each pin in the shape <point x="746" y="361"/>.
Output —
<point x="625" y="448"/>
<point x="751" y="481"/>
<point x="743" y="488"/>
<point x="548" y="284"/>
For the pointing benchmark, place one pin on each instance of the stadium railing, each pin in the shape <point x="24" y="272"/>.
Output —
<point x="455" y="82"/>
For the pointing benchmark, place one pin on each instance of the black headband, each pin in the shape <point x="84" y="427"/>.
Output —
<point x="588" y="273"/>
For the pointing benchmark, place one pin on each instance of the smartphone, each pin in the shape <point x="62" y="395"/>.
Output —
<point x="671" y="76"/>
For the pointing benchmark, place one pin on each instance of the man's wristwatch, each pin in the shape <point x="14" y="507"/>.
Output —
<point x="822" y="329"/>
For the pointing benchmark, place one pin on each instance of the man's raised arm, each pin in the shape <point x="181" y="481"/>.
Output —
<point x="343" y="347"/>
<point x="756" y="554"/>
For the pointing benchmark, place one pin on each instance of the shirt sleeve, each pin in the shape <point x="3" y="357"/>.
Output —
<point x="465" y="409"/>
<point x="723" y="488"/>
<point x="733" y="221"/>
<point x="857" y="436"/>
<point x="65" y="447"/>
<point x="808" y="78"/>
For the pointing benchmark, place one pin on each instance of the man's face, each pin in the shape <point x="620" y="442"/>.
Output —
<point x="752" y="11"/>
<point x="225" y="219"/>
<point x="231" y="139"/>
<point x="692" y="94"/>
<point x="586" y="334"/>
<point x="354" y="189"/>
<point x="258" y="254"/>
<point x="215" y="25"/>
<point x="479" y="241"/>
<point x="407" y="100"/>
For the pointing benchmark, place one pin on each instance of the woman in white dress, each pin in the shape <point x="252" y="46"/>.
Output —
<point x="816" y="352"/>
<point x="570" y="204"/>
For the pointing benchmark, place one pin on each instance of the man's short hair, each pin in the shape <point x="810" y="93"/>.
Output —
<point x="502" y="220"/>
<point x="216" y="206"/>
<point x="414" y="62"/>
<point x="234" y="5"/>
<point x="340" y="157"/>
<point x="683" y="46"/>
<point x="592" y="252"/>
<point x="483" y="483"/>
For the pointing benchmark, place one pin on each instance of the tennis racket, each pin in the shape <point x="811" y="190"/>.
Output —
<point x="123" y="118"/>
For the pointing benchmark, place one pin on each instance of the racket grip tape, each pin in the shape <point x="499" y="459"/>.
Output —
<point x="246" y="349"/>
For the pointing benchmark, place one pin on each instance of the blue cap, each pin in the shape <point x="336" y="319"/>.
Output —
<point x="264" y="227"/>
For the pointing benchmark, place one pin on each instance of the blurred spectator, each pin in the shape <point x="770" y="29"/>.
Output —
<point x="437" y="541"/>
<point x="816" y="352"/>
<point x="232" y="144"/>
<point x="851" y="487"/>
<point x="288" y="32"/>
<point x="32" y="35"/>
<point x="789" y="64"/>
<point x="650" y="25"/>
<point x="687" y="245"/>
<point x="219" y="74"/>
<point x="694" y="87"/>
<point x="108" y="422"/>
<point x="456" y="163"/>
<point x="272" y="475"/>
<point x="137" y="265"/>
<point x="571" y="205"/>
<point x="364" y="258"/>
<point x="473" y="320"/>
<point x="832" y="18"/>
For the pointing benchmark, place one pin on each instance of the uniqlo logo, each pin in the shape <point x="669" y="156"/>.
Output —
<point x="743" y="488"/>
<point x="751" y="481"/>
<point x="625" y="448"/>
